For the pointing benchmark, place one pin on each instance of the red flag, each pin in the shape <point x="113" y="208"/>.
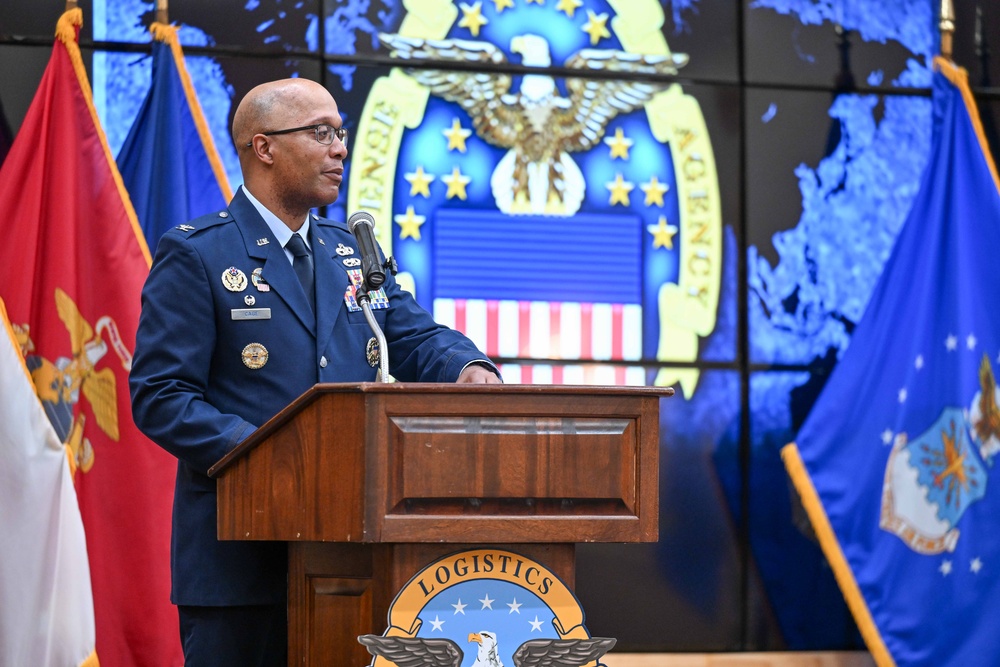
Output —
<point x="72" y="267"/>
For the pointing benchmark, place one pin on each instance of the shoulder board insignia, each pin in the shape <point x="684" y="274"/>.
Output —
<point x="185" y="228"/>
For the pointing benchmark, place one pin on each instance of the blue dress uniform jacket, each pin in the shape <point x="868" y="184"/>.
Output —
<point x="194" y="395"/>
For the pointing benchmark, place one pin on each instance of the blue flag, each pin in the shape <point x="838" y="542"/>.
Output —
<point x="169" y="162"/>
<point x="894" y="462"/>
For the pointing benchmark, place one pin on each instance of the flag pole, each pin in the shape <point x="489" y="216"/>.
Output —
<point x="947" y="26"/>
<point x="70" y="4"/>
<point x="161" y="12"/>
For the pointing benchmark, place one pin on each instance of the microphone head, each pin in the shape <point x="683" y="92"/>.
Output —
<point x="360" y="218"/>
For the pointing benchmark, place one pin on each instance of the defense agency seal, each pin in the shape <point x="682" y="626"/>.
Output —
<point x="254" y="356"/>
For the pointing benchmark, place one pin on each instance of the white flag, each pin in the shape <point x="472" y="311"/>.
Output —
<point x="46" y="604"/>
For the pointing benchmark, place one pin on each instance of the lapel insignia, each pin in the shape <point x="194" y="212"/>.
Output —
<point x="343" y="250"/>
<point x="321" y="241"/>
<point x="263" y="241"/>
<point x="234" y="280"/>
<point x="185" y="228"/>
<point x="258" y="280"/>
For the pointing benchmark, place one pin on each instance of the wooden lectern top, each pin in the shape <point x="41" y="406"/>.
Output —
<point x="412" y="462"/>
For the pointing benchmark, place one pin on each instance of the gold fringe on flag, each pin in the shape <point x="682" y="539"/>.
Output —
<point x="835" y="556"/>
<point x="67" y="32"/>
<point x="959" y="77"/>
<point x="167" y="34"/>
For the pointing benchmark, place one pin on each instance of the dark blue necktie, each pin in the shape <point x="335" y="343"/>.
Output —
<point x="303" y="265"/>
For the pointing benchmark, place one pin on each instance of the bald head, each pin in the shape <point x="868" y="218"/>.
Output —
<point x="271" y="105"/>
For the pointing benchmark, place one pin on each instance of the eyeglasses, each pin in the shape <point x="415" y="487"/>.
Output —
<point x="324" y="133"/>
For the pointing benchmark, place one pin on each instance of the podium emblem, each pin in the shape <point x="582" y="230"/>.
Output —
<point x="486" y="607"/>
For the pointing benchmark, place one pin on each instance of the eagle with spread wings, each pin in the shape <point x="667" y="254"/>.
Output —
<point x="419" y="652"/>
<point x="538" y="125"/>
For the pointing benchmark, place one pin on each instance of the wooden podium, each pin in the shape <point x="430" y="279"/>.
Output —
<point x="369" y="483"/>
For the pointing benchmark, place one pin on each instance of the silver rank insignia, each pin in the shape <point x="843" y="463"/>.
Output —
<point x="234" y="280"/>
<point x="321" y="241"/>
<point x="352" y="261"/>
<point x="185" y="228"/>
<point x="258" y="280"/>
<point x="249" y="300"/>
<point x="344" y="250"/>
<point x="254" y="356"/>
<point x="371" y="352"/>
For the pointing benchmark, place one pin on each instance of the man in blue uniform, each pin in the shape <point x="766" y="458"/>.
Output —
<point x="243" y="311"/>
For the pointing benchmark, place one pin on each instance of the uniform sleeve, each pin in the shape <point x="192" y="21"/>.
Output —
<point x="420" y="349"/>
<point x="173" y="359"/>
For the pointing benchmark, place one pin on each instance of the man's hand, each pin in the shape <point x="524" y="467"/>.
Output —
<point x="476" y="374"/>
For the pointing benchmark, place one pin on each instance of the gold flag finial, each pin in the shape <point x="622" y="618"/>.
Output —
<point x="161" y="12"/>
<point x="70" y="4"/>
<point x="947" y="27"/>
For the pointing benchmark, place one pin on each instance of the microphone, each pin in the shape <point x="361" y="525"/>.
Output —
<point x="362" y="225"/>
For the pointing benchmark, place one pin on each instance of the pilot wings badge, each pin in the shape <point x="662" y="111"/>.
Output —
<point x="531" y="618"/>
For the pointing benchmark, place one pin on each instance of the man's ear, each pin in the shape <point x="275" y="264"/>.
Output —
<point x="261" y="146"/>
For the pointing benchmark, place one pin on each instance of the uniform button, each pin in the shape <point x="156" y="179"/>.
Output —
<point x="322" y="362"/>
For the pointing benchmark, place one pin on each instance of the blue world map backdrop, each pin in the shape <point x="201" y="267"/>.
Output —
<point x="812" y="180"/>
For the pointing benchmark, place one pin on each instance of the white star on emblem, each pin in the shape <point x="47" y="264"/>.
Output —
<point x="970" y="342"/>
<point x="902" y="395"/>
<point x="951" y="342"/>
<point x="514" y="606"/>
<point x="945" y="568"/>
<point x="887" y="436"/>
<point x="919" y="363"/>
<point x="460" y="608"/>
<point x="437" y="623"/>
<point x="487" y="602"/>
<point x="975" y="566"/>
<point x="536" y="624"/>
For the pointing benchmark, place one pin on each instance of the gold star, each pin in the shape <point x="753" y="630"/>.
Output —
<point x="409" y="224"/>
<point x="456" y="136"/>
<point x="569" y="6"/>
<point x="595" y="27"/>
<point x="456" y="184"/>
<point x="502" y="4"/>
<point x="619" y="145"/>
<point x="663" y="234"/>
<point x="654" y="191"/>
<point x="419" y="182"/>
<point x="472" y="18"/>
<point x="619" y="191"/>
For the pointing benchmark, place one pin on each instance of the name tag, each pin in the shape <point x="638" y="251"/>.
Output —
<point x="251" y="313"/>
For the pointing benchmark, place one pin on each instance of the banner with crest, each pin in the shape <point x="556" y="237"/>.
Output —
<point x="894" y="461"/>
<point x="71" y="272"/>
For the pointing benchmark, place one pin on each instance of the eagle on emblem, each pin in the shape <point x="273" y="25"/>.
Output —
<point x="419" y="652"/>
<point x="538" y="126"/>
<point x="60" y="383"/>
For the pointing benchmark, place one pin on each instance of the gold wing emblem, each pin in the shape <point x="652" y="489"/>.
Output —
<point x="989" y="421"/>
<point x="100" y="389"/>
<point x="538" y="125"/>
<point x="79" y="330"/>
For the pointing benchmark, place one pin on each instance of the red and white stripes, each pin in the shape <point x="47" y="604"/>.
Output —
<point x="552" y="330"/>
